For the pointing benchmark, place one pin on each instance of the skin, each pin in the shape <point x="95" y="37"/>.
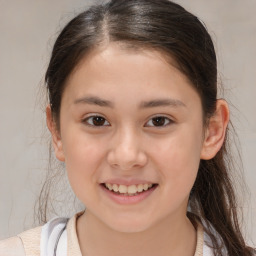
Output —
<point x="129" y="146"/>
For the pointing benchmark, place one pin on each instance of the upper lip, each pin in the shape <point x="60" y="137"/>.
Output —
<point x="127" y="182"/>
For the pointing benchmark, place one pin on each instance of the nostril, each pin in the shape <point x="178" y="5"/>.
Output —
<point x="126" y="158"/>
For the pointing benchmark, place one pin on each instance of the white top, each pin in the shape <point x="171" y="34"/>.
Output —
<point x="58" y="237"/>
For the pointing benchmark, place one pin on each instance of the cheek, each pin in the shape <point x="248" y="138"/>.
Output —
<point x="178" y="158"/>
<point x="178" y="164"/>
<point x="83" y="156"/>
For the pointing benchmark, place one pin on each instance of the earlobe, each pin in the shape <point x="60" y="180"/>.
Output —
<point x="215" y="131"/>
<point x="56" y="138"/>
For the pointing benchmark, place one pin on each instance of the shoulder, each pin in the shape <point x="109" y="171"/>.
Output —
<point x="26" y="243"/>
<point x="31" y="241"/>
<point x="42" y="238"/>
<point x="11" y="247"/>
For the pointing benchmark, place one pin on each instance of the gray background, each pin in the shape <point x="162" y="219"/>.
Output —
<point x="27" y="31"/>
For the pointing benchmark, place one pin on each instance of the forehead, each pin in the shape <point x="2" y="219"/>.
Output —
<point x="105" y="53"/>
<point x="116" y="69"/>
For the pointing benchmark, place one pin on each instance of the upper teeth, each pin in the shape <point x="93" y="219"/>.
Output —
<point x="132" y="189"/>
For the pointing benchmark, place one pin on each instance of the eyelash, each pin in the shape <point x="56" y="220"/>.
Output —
<point x="85" y="121"/>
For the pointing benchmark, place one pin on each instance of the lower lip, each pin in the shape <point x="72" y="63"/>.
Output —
<point x="121" y="199"/>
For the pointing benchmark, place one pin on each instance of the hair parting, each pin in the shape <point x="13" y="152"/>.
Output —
<point x="166" y="27"/>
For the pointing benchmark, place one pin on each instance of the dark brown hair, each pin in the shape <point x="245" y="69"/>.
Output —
<point x="166" y="27"/>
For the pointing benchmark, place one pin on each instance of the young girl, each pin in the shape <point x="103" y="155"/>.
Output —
<point x="134" y="115"/>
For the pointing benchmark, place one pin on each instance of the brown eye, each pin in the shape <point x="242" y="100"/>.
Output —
<point x="96" y="121"/>
<point x="159" y="121"/>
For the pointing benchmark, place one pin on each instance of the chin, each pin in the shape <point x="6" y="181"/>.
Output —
<point x="129" y="225"/>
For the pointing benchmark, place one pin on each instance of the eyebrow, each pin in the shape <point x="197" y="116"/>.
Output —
<point x="93" y="100"/>
<point x="162" y="103"/>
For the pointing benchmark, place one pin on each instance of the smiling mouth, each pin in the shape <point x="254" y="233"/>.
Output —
<point x="131" y="190"/>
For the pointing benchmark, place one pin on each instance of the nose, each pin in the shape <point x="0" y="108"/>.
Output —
<point x="126" y="151"/>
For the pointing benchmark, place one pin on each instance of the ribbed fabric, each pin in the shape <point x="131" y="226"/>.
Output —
<point x="31" y="241"/>
<point x="73" y="244"/>
<point x="199" y="240"/>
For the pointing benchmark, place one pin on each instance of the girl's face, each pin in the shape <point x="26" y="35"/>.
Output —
<point x="129" y="120"/>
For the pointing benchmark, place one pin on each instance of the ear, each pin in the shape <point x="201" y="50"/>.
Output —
<point x="215" y="131"/>
<point x="56" y="138"/>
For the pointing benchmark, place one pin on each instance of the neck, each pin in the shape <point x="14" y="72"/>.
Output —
<point x="95" y="238"/>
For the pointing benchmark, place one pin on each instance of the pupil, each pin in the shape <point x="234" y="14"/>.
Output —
<point x="98" y="120"/>
<point x="158" y="121"/>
